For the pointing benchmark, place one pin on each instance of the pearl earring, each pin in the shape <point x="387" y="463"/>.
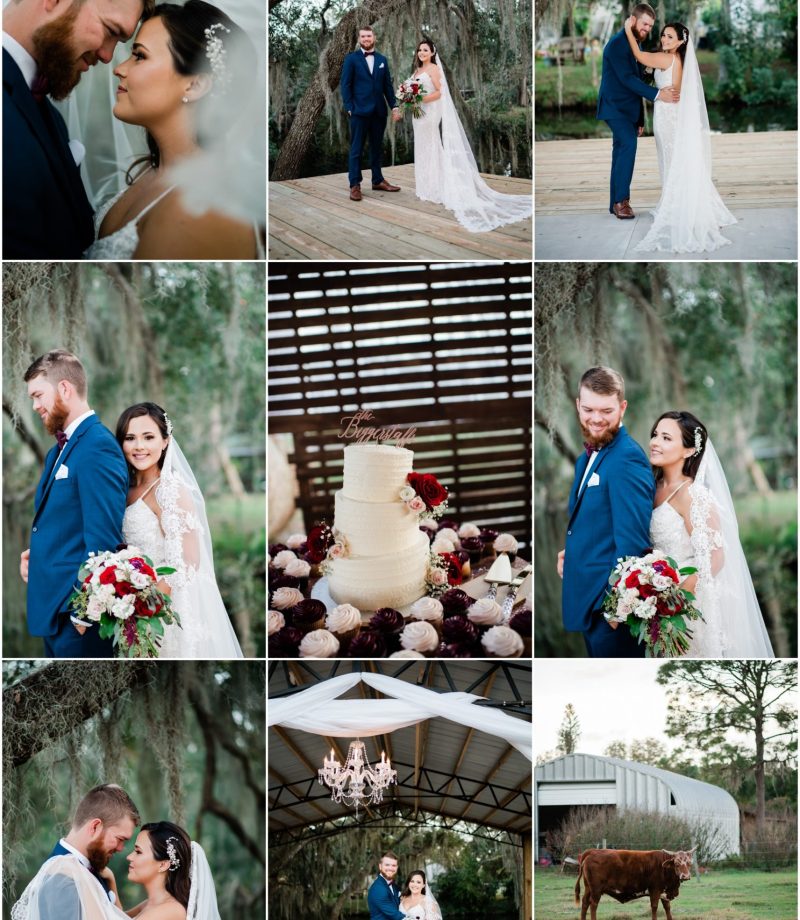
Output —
<point x="185" y="99"/>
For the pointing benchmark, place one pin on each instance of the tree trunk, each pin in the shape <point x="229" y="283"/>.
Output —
<point x="298" y="141"/>
<point x="759" y="767"/>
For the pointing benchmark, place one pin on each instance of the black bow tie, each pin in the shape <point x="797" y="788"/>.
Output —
<point x="61" y="438"/>
<point x="39" y="88"/>
<point x="368" y="53"/>
<point x="589" y="449"/>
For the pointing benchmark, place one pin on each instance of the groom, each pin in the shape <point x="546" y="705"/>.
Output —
<point x="47" y="45"/>
<point x="609" y="514"/>
<point x="104" y="822"/>
<point x="79" y="505"/>
<point x="619" y="104"/>
<point x="383" y="897"/>
<point x="366" y="86"/>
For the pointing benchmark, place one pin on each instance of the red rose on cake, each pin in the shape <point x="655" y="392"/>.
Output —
<point x="429" y="489"/>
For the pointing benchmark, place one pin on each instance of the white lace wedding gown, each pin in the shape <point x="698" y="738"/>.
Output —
<point x="205" y="630"/>
<point x="445" y="170"/>
<point x="732" y="626"/>
<point x="122" y="244"/>
<point x="690" y="212"/>
<point x="426" y="910"/>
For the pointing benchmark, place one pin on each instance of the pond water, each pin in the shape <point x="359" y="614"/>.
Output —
<point x="573" y="124"/>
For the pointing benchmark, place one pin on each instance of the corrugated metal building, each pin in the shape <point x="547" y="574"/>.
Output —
<point x="588" y="779"/>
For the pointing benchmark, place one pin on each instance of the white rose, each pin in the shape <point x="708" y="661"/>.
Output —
<point x="503" y="642"/>
<point x="122" y="607"/>
<point x="427" y="608"/>
<point x="447" y="533"/>
<point x="94" y="609"/>
<point x="319" y="643"/>
<point x="343" y="618"/>
<point x="284" y="598"/>
<point x="297" y="568"/>
<point x="420" y="637"/>
<point x="415" y="504"/>
<point x="283" y="558"/>
<point x="485" y="612"/>
<point x="275" y="622"/>
<point x="296" y="540"/>
<point x="139" y="580"/>
<point x="337" y="551"/>
<point x="407" y="493"/>
<point x="662" y="582"/>
<point x="438" y="577"/>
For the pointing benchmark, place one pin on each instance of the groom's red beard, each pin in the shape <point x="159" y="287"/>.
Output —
<point x="55" y="418"/>
<point x="599" y="442"/>
<point x="56" y="55"/>
<point x="98" y="857"/>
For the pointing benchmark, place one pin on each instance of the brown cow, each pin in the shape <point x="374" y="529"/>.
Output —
<point x="629" y="874"/>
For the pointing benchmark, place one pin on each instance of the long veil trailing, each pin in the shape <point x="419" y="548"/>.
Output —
<point x="690" y="213"/>
<point x="52" y="887"/>
<point x="202" y="895"/>
<point x="477" y="207"/>
<point x="734" y="626"/>
<point x="205" y="630"/>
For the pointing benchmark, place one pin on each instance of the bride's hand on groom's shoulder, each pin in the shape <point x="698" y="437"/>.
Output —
<point x="24" y="559"/>
<point x="630" y="22"/>
<point x="560" y="563"/>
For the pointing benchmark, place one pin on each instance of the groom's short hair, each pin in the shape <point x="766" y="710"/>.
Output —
<point x="110" y="803"/>
<point x="603" y="380"/>
<point x="59" y="364"/>
<point x="643" y="9"/>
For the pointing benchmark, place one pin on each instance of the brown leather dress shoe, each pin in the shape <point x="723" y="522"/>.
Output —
<point x="355" y="193"/>
<point x="385" y="187"/>
<point x="623" y="210"/>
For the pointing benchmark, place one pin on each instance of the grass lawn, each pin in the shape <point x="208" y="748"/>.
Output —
<point x="234" y="521"/>
<point x="726" y="894"/>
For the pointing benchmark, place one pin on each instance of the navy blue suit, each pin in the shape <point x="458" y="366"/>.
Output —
<point x="79" y="513"/>
<point x="364" y="95"/>
<point x="58" y="898"/>
<point x="383" y="900"/>
<point x="608" y="519"/>
<point x="46" y="214"/>
<point x="620" y="106"/>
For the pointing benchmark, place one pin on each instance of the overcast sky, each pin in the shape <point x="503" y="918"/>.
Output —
<point x="614" y="700"/>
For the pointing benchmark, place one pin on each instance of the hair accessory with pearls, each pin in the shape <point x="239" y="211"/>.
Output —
<point x="174" y="861"/>
<point x="698" y="441"/>
<point x="169" y="424"/>
<point x="216" y="54"/>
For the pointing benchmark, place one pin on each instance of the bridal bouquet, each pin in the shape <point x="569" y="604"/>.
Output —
<point x="409" y="96"/>
<point x="647" y="597"/>
<point x="119" y="592"/>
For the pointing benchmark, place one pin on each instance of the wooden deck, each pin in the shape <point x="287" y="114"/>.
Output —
<point x="315" y="219"/>
<point x="756" y="170"/>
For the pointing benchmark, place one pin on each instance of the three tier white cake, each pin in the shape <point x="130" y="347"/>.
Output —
<point x="387" y="554"/>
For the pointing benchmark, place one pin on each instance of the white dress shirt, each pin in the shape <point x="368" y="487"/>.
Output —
<point x="588" y="467"/>
<point x="370" y="60"/>
<point x="22" y="58"/>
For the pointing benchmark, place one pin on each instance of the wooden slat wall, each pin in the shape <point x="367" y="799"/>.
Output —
<point x="455" y="357"/>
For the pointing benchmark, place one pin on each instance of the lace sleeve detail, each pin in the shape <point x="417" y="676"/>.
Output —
<point x="706" y="534"/>
<point x="182" y="530"/>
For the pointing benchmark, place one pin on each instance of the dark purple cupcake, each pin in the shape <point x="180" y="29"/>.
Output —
<point x="276" y="548"/>
<point x="451" y="650"/>
<point x="272" y="573"/>
<point x="309" y="614"/>
<point x="369" y="643"/>
<point x="458" y="630"/>
<point x="488" y="536"/>
<point x="446" y="523"/>
<point x="455" y="601"/>
<point x="285" y="643"/>
<point x="284" y="581"/>
<point x="474" y="546"/>
<point x="386" y="620"/>
<point x="522" y="622"/>
<point x="429" y="533"/>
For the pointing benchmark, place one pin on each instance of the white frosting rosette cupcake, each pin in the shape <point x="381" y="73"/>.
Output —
<point x="506" y="543"/>
<point x="485" y="612"/>
<point x="469" y="530"/>
<point x="283" y="558"/>
<point x="428" y="610"/>
<point x="345" y="621"/>
<point x="298" y="568"/>
<point x="447" y="533"/>
<point x="443" y="545"/>
<point x="407" y="653"/>
<point x="319" y="643"/>
<point x="419" y="636"/>
<point x="296" y="540"/>
<point x="275" y="622"/>
<point x="502" y="642"/>
<point x="284" y="598"/>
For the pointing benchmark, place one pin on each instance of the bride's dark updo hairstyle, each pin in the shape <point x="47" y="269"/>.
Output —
<point x="156" y="413"/>
<point x="425" y="41"/>
<point x="406" y="892"/>
<point x="683" y="36"/>
<point x="186" y="27"/>
<point x="170" y="842"/>
<point x="687" y="424"/>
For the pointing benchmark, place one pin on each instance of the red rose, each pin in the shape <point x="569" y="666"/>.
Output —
<point x="647" y="591"/>
<point x="145" y="569"/>
<point x="108" y="576"/>
<point x="454" y="576"/>
<point x="632" y="581"/>
<point x="124" y="587"/>
<point x="414" y="87"/>
<point x="428" y="487"/>
<point x="141" y="609"/>
<point x="320" y="539"/>
<point x="664" y="569"/>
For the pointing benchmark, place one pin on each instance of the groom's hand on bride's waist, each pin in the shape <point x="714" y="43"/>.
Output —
<point x="560" y="563"/>
<point x="669" y="94"/>
<point x="24" y="558"/>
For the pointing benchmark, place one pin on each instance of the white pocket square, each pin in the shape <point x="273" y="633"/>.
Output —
<point x="380" y="65"/>
<point x="594" y="480"/>
<point x="62" y="472"/>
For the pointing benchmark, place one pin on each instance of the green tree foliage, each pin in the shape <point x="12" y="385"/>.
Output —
<point x="569" y="732"/>
<point x="479" y="885"/>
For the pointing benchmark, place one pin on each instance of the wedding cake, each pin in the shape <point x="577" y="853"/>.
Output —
<point x="385" y="556"/>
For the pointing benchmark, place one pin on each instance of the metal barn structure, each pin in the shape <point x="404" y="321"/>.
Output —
<point x="588" y="779"/>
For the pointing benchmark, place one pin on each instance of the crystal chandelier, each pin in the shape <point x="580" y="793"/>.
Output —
<point x="357" y="783"/>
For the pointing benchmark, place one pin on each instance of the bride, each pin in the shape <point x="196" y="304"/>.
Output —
<point x="444" y="166"/>
<point x="416" y="901"/>
<point x="694" y="522"/>
<point x="690" y="213"/>
<point x="172" y="869"/>
<point x="166" y="518"/>
<point x="184" y="60"/>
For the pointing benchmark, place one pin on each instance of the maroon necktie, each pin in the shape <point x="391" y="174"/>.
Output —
<point x="589" y="449"/>
<point x="39" y="88"/>
<point x="61" y="438"/>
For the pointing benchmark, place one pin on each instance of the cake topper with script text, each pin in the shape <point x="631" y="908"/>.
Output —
<point x="357" y="427"/>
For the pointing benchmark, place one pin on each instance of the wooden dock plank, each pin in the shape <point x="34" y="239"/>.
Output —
<point x="749" y="170"/>
<point x="314" y="218"/>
